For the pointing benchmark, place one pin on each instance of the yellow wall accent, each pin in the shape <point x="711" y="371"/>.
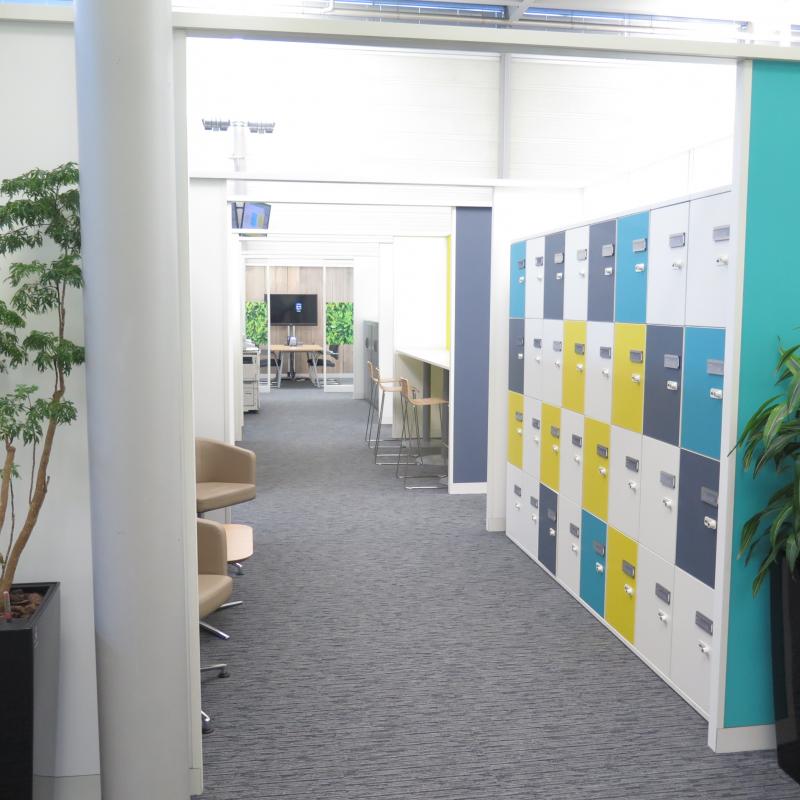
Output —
<point x="620" y="605"/>
<point x="627" y="399"/>
<point x="574" y="365"/>
<point x="515" y="427"/>
<point x="551" y="446"/>
<point x="596" y="467"/>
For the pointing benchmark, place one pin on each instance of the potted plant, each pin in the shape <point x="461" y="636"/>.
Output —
<point x="40" y="232"/>
<point x="770" y="441"/>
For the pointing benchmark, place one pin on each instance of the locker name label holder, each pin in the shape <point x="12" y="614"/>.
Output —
<point x="663" y="594"/>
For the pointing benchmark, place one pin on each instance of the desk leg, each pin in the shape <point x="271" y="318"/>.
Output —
<point x="280" y="369"/>
<point x="426" y="392"/>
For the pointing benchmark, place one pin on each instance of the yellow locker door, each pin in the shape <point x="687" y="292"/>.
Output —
<point x="516" y="424"/>
<point x="574" y="365"/>
<point x="596" y="467"/>
<point x="621" y="583"/>
<point x="627" y="403"/>
<point x="551" y="445"/>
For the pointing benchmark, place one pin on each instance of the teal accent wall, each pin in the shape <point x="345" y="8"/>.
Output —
<point x="771" y="310"/>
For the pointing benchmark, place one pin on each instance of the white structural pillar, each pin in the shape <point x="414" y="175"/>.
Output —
<point x="136" y="394"/>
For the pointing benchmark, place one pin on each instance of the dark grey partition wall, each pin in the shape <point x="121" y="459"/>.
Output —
<point x="471" y="344"/>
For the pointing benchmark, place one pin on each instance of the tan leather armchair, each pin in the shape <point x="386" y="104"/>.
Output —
<point x="226" y="475"/>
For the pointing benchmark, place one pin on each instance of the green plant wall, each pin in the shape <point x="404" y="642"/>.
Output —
<point x="339" y="323"/>
<point x="256" y="327"/>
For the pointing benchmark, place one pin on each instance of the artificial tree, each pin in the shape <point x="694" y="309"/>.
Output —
<point x="41" y="219"/>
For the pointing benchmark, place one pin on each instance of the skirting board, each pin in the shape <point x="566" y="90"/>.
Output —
<point x="751" y="737"/>
<point x="468" y="488"/>
<point x="66" y="787"/>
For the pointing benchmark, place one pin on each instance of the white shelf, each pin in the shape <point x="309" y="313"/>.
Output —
<point x="434" y="357"/>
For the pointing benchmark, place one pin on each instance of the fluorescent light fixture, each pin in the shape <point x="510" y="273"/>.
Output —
<point x="261" y="127"/>
<point x="216" y="124"/>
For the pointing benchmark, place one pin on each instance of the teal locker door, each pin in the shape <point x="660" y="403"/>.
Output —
<point x="701" y="411"/>
<point x="593" y="562"/>
<point x="631" y="285"/>
<point x="516" y="291"/>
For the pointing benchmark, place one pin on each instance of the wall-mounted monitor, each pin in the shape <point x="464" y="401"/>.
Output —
<point x="250" y="216"/>
<point x="292" y="309"/>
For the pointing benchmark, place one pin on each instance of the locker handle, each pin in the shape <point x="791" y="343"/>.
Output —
<point x="608" y="271"/>
<point x="638" y="267"/>
<point x="632" y="485"/>
<point x="520" y="356"/>
<point x="559" y="275"/>
<point x="519" y="431"/>
<point x="521" y="279"/>
<point x="715" y="394"/>
<point x="662" y="616"/>
<point x="704" y="648"/>
<point x="555" y="448"/>
<point x="677" y="265"/>
<point x="538" y="359"/>
<point x="534" y="518"/>
<point x="710" y="523"/>
<point x="574" y="548"/>
<point x="603" y="471"/>
<point x="636" y="378"/>
<point x="552" y="531"/>
<point x="579" y="367"/>
<point x="672" y="386"/>
<point x="582" y="273"/>
<point x="667" y="502"/>
<point x="577" y="459"/>
<point x="558" y="363"/>
<point x="540" y="277"/>
<point x="598" y="567"/>
<point x="606" y="373"/>
<point x="536" y="439"/>
<point x="517" y="506"/>
<point x="628" y="590"/>
<point x="722" y="261"/>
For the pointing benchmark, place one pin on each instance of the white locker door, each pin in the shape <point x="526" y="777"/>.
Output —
<point x="599" y="370"/>
<point x="625" y="488"/>
<point x="515" y="498"/>
<point x="534" y="281"/>
<point x="668" y="248"/>
<point x="532" y="437"/>
<point x="571" y="464"/>
<point x="654" y="608"/>
<point x="658" y="518"/>
<point x="568" y="545"/>
<point x="553" y="361"/>
<point x="532" y="382"/>
<point x="576" y="273"/>
<point x="710" y="276"/>
<point x="692" y="638"/>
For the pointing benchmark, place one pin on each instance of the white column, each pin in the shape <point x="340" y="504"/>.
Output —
<point x="136" y="395"/>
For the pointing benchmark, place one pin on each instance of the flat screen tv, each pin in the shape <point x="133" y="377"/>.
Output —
<point x="251" y="216"/>
<point x="293" y="309"/>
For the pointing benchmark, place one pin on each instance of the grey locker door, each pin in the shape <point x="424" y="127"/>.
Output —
<point x="663" y="383"/>
<point x="602" y="260"/>
<point x="696" y="550"/>
<point x="516" y="355"/>
<point x="554" y="257"/>
<point x="548" y="527"/>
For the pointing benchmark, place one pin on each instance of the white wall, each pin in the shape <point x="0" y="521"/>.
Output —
<point x="346" y="111"/>
<point x="37" y="95"/>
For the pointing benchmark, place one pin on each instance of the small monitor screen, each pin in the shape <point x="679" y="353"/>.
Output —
<point x="254" y="216"/>
<point x="293" y="309"/>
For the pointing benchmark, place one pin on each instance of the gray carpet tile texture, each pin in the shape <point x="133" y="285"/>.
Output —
<point x="389" y="647"/>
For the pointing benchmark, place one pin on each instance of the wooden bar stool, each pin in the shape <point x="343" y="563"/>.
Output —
<point x="371" y="402"/>
<point x="385" y="387"/>
<point x="411" y="433"/>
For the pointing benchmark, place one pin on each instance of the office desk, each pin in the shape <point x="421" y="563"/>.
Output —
<point x="291" y="350"/>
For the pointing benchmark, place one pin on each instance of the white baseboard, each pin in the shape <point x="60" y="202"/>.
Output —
<point x="496" y="524"/>
<point x="750" y="737"/>
<point x="468" y="488"/>
<point x="196" y="781"/>
<point x="66" y="787"/>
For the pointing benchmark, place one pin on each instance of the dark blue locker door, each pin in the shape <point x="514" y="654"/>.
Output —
<point x="696" y="550"/>
<point x="554" y="275"/>
<point x="548" y="527"/>
<point x="602" y="258"/>
<point x="663" y="383"/>
<point x="516" y="355"/>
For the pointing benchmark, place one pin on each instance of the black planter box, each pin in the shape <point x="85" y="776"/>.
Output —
<point x="29" y="694"/>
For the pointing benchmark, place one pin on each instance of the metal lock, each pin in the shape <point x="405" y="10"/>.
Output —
<point x="672" y="386"/>
<point x="519" y="431"/>
<point x="517" y="506"/>
<point x="677" y="265"/>
<point x="574" y="548"/>
<point x="606" y="373"/>
<point x="555" y="448"/>
<point x="579" y="367"/>
<point x="537" y="359"/>
<point x="628" y="590"/>
<point x="667" y="502"/>
<point x="577" y="459"/>
<point x="722" y="261"/>
<point x="521" y="279"/>
<point x="582" y="273"/>
<point x="520" y="356"/>
<point x="633" y="486"/>
<point x="704" y="648"/>
<point x="710" y="523"/>
<point x="639" y="267"/>
<point x="598" y="567"/>
<point x="551" y="531"/>
<point x="603" y="471"/>
<point x="559" y="276"/>
<point x="608" y="271"/>
<point x="534" y="518"/>
<point x="558" y="363"/>
<point x="715" y="394"/>
<point x="636" y="378"/>
<point x="662" y="616"/>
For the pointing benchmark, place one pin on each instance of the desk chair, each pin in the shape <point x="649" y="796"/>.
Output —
<point x="318" y="362"/>
<point x="410" y="405"/>
<point x="270" y="361"/>
<point x="214" y="587"/>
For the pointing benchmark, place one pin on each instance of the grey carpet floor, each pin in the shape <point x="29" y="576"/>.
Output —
<point x="390" y="648"/>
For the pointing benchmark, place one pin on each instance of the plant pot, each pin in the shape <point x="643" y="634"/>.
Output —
<point x="29" y="651"/>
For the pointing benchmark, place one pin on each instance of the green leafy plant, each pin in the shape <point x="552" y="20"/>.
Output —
<point x="40" y="218"/>
<point x="256" y="327"/>
<point x="339" y="323"/>
<point x="771" y="438"/>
